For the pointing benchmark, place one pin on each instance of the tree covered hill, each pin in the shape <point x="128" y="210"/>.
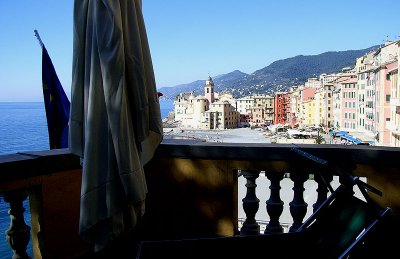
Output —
<point x="198" y="85"/>
<point x="278" y="76"/>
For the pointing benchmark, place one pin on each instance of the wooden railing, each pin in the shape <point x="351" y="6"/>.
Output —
<point x="193" y="190"/>
<point x="51" y="179"/>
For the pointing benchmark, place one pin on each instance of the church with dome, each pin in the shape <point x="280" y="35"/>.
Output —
<point x="210" y="111"/>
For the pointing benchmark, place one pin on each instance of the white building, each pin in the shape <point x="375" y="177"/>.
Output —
<point x="244" y="104"/>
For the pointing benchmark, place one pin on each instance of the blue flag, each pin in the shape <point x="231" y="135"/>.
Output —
<point x="56" y="103"/>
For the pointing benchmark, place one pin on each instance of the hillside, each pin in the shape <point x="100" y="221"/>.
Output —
<point x="277" y="76"/>
<point x="222" y="82"/>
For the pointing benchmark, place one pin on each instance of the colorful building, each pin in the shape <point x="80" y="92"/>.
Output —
<point x="280" y="105"/>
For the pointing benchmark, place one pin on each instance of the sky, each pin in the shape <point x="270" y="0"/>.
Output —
<point x="192" y="39"/>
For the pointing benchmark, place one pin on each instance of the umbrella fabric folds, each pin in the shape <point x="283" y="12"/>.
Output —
<point x="115" y="123"/>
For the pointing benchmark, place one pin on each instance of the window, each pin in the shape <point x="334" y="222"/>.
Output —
<point x="388" y="98"/>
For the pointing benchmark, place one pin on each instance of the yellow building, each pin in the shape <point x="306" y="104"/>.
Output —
<point x="308" y="111"/>
<point x="221" y="115"/>
<point x="266" y="103"/>
<point x="318" y="106"/>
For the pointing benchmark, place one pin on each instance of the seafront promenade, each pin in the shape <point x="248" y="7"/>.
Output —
<point x="238" y="135"/>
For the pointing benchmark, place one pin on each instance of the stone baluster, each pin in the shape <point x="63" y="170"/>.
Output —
<point x="250" y="204"/>
<point x="18" y="234"/>
<point x="322" y="189"/>
<point x="298" y="207"/>
<point x="274" y="204"/>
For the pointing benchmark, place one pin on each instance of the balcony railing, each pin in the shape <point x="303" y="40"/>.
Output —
<point x="193" y="192"/>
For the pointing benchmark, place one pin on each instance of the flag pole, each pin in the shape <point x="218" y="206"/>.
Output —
<point x="39" y="39"/>
<point x="57" y="105"/>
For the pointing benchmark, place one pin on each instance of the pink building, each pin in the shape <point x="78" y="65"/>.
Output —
<point x="257" y="117"/>
<point x="349" y="104"/>
<point x="383" y="92"/>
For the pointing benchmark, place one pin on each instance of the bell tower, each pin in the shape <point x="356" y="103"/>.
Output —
<point x="209" y="90"/>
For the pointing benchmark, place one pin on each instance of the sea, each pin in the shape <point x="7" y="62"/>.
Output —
<point x="23" y="127"/>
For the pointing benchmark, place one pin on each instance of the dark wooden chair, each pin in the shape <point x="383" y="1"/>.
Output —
<point x="341" y="226"/>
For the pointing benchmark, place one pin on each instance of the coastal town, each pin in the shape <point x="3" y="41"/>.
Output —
<point x="358" y="105"/>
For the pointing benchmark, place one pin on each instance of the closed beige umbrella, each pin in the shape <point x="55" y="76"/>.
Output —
<point x="115" y="123"/>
